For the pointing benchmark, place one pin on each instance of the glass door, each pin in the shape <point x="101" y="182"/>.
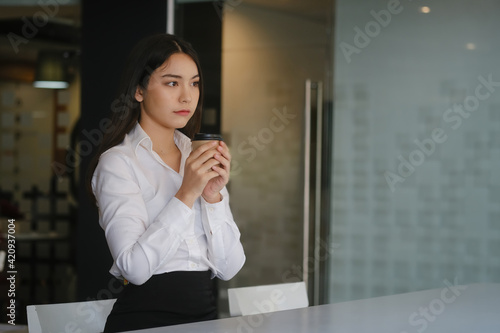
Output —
<point x="416" y="149"/>
<point x="276" y="79"/>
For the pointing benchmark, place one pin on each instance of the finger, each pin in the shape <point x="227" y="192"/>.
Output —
<point x="204" y="148"/>
<point x="209" y="154"/>
<point x="212" y="174"/>
<point x="208" y="165"/>
<point x="224" y="150"/>
<point x="222" y="172"/>
<point x="223" y="161"/>
<point x="199" y="160"/>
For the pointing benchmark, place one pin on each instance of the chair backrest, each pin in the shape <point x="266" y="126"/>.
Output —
<point x="69" y="317"/>
<point x="268" y="298"/>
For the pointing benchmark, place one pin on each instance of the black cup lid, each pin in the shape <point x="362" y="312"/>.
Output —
<point x="207" y="136"/>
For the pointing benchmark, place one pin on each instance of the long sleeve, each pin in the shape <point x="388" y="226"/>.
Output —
<point x="137" y="246"/>
<point x="225" y="251"/>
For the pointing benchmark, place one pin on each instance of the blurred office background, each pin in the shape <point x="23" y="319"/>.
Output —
<point x="364" y="137"/>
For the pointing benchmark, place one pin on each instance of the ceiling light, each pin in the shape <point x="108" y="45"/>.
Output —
<point x="51" y="84"/>
<point x="51" y="71"/>
<point x="470" y="46"/>
<point x="425" y="10"/>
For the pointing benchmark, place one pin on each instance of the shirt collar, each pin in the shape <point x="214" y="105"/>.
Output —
<point x="138" y="137"/>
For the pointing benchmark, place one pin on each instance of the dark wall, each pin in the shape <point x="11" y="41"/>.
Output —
<point x="201" y="25"/>
<point x="109" y="31"/>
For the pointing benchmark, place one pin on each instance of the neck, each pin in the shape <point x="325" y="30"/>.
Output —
<point x="163" y="143"/>
<point x="162" y="138"/>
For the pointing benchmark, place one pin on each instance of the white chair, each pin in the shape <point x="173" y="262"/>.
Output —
<point x="268" y="298"/>
<point x="88" y="317"/>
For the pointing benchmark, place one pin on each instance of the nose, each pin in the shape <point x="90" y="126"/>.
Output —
<point x="185" y="96"/>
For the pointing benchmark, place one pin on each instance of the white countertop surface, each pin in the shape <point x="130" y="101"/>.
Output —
<point x="472" y="309"/>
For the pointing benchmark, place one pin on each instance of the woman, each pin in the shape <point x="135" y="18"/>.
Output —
<point x="164" y="209"/>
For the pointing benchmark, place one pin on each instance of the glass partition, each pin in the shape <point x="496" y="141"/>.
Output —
<point x="416" y="147"/>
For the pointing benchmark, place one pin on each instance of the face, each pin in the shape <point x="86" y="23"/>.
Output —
<point x="172" y="94"/>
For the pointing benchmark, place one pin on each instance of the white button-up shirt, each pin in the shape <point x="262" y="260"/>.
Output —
<point x="148" y="230"/>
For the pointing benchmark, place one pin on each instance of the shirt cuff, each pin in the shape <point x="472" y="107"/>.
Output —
<point x="216" y="213"/>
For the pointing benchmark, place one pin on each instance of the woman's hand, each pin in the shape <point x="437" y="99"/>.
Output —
<point x="211" y="192"/>
<point x="206" y="172"/>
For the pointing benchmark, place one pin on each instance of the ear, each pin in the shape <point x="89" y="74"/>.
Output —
<point x="139" y="94"/>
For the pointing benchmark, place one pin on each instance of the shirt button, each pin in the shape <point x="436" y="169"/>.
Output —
<point x="192" y="265"/>
<point x="211" y="210"/>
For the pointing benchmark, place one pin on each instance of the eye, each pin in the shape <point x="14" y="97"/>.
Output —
<point x="172" y="83"/>
<point x="196" y="84"/>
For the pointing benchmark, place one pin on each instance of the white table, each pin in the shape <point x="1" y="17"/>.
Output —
<point x="472" y="309"/>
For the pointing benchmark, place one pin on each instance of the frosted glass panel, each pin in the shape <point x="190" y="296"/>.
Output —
<point x="416" y="182"/>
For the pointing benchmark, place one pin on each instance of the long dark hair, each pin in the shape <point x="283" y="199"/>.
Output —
<point x="149" y="54"/>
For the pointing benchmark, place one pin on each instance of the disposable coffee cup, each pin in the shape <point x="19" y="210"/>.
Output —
<point x="202" y="138"/>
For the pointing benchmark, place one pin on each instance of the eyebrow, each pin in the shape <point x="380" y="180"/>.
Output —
<point x="178" y="76"/>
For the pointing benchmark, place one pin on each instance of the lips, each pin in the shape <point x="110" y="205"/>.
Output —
<point x="183" y="112"/>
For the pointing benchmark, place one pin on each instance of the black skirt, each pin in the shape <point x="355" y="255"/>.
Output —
<point x="165" y="299"/>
